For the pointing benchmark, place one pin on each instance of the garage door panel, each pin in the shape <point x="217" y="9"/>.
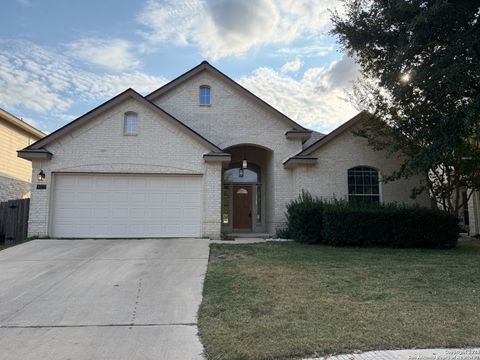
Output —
<point x="157" y="197"/>
<point x="94" y="205"/>
<point x="69" y="196"/>
<point x="100" y="213"/>
<point x="119" y="213"/>
<point x="137" y="197"/>
<point x="190" y="213"/>
<point x="136" y="214"/>
<point x="191" y="199"/>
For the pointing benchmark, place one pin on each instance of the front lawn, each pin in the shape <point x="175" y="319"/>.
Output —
<point x="288" y="300"/>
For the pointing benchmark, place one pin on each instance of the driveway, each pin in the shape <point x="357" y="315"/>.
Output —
<point x="101" y="299"/>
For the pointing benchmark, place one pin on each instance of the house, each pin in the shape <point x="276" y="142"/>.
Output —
<point x="15" y="173"/>
<point x="198" y="157"/>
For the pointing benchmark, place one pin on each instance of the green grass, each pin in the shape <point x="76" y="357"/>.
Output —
<point x="288" y="300"/>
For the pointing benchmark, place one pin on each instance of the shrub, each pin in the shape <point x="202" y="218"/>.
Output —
<point x="304" y="218"/>
<point x="282" y="233"/>
<point x="389" y="225"/>
<point x="339" y="223"/>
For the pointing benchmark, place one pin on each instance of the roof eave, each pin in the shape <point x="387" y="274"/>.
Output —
<point x="298" y="134"/>
<point x="332" y="135"/>
<point x="40" y="154"/>
<point x="299" y="160"/>
<point x="217" y="157"/>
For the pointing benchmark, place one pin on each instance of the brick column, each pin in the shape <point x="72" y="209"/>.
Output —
<point x="212" y="201"/>
<point x="38" y="216"/>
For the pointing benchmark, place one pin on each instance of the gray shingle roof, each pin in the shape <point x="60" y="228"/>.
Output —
<point x="314" y="138"/>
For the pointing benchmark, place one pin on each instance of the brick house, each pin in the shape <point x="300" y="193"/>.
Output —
<point x="198" y="157"/>
<point x="15" y="173"/>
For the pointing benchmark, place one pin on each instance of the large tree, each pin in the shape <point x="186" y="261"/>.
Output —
<point x="420" y="63"/>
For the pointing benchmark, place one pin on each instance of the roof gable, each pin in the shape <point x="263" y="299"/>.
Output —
<point x="129" y="93"/>
<point x="205" y="66"/>
<point x="308" y="150"/>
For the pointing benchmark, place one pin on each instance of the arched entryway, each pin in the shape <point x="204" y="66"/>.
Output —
<point x="244" y="183"/>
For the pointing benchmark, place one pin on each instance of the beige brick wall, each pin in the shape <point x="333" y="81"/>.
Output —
<point x="212" y="200"/>
<point x="100" y="146"/>
<point x="328" y="178"/>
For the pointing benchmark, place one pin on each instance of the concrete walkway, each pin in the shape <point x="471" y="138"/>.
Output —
<point x="101" y="299"/>
<point x="420" y="354"/>
<point x="244" y="240"/>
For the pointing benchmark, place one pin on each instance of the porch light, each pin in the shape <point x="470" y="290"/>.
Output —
<point x="244" y="163"/>
<point x="41" y="176"/>
<point x="240" y="172"/>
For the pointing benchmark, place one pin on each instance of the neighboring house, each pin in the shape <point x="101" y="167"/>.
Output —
<point x="473" y="214"/>
<point x="15" y="173"/>
<point x="197" y="157"/>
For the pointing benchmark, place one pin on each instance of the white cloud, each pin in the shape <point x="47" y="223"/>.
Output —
<point x="112" y="54"/>
<point x="25" y="3"/>
<point x="46" y="82"/>
<point x="317" y="101"/>
<point x="309" y="50"/>
<point x="223" y="28"/>
<point x="292" y="66"/>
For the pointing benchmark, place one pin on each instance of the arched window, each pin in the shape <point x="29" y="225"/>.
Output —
<point x="363" y="185"/>
<point x="237" y="174"/>
<point x="130" y="126"/>
<point x="205" y="95"/>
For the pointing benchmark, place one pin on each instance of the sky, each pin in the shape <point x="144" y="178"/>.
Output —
<point x="59" y="59"/>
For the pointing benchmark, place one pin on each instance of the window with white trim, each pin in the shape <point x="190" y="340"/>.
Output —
<point x="131" y="123"/>
<point x="205" y="95"/>
<point x="363" y="185"/>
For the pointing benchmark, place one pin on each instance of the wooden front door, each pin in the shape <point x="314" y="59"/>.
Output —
<point x="242" y="207"/>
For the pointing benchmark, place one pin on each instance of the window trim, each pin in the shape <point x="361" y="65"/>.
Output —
<point x="125" y="132"/>
<point x="379" y="176"/>
<point x="209" y="95"/>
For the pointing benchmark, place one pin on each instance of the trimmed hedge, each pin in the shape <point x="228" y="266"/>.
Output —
<point x="390" y="226"/>
<point x="340" y="223"/>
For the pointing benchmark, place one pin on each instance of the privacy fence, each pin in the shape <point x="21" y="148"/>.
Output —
<point x="14" y="221"/>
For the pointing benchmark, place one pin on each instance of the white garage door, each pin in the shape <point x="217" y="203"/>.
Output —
<point x="118" y="206"/>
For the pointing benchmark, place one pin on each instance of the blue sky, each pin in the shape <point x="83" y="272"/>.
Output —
<point x="59" y="59"/>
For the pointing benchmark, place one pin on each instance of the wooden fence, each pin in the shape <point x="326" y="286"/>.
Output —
<point x="14" y="221"/>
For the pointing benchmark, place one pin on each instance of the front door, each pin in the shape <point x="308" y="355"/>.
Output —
<point x="242" y="207"/>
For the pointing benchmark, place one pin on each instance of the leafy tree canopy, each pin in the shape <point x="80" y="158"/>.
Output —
<point x="420" y="62"/>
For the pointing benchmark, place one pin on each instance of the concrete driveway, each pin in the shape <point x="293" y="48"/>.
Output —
<point x="101" y="299"/>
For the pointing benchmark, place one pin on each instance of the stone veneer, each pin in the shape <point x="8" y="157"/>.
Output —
<point x="11" y="188"/>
